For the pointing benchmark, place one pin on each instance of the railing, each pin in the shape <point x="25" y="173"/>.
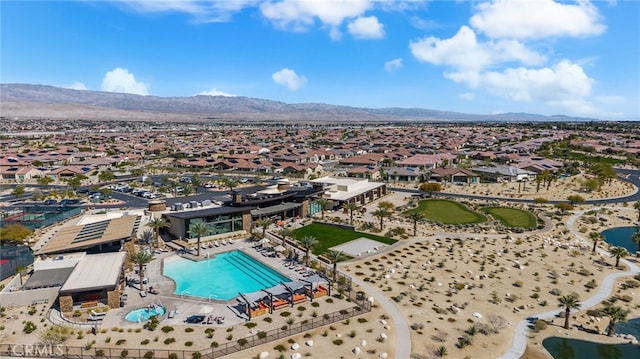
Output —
<point x="362" y="307"/>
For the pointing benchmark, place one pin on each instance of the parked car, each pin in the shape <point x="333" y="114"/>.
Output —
<point x="195" y="319"/>
<point x="244" y="180"/>
<point x="49" y="202"/>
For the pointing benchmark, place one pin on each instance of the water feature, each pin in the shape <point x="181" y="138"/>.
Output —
<point x="221" y="277"/>
<point x="143" y="314"/>
<point x="621" y="237"/>
<point x="567" y="348"/>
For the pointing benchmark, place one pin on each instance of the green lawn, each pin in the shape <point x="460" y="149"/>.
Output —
<point x="447" y="212"/>
<point x="329" y="236"/>
<point x="512" y="217"/>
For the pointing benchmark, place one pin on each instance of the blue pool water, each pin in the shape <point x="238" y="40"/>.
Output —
<point x="621" y="237"/>
<point x="143" y="314"/>
<point x="565" y="348"/>
<point x="221" y="277"/>
<point x="631" y="326"/>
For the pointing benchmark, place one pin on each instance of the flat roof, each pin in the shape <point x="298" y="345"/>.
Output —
<point x="48" y="278"/>
<point x="88" y="235"/>
<point x="94" y="272"/>
<point x="274" y="209"/>
<point x="188" y="214"/>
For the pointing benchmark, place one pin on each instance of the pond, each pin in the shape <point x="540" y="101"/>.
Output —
<point x="566" y="348"/>
<point x="621" y="237"/>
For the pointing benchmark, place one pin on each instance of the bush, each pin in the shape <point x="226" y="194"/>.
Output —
<point x="148" y="355"/>
<point x="29" y="327"/>
<point x="173" y="356"/>
<point x="539" y="325"/>
<point x="144" y="342"/>
<point x="281" y="348"/>
<point x="188" y="330"/>
<point x="167" y="329"/>
<point x="338" y="342"/>
<point x="196" y="355"/>
<point x="169" y="341"/>
<point x="242" y="342"/>
<point x="121" y="341"/>
<point x="124" y="353"/>
<point x="188" y="344"/>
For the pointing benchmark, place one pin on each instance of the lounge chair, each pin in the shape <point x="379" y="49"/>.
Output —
<point x="171" y="314"/>
<point x="96" y="314"/>
<point x="216" y="244"/>
<point x="143" y="294"/>
<point x="220" y="320"/>
<point x="94" y="319"/>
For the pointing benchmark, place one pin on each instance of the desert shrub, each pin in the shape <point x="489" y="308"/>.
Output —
<point x="167" y="329"/>
<point x="29" y="327"/>
<point x="338" y="342"/>
<point x="539" y="325"/>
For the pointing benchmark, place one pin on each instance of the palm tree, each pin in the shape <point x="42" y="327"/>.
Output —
<point x="615" y="314"/>
<point x="146" y="237"/>
<point x="617" y="253"/>
<point x="264" y="223"/>
<point x="229" y="182"/>
<point x="351" y="206"/>
<point x="637" y="207"/>
<point x="415" y="217"/>
<point x="308" y="242"/>
<point x="335" y="257"/>
<point x="196" y="181"/>
<point x="199" y="229"/>
<point x="285" y="232"/>
<point x="322" y="202"/>
<point x="595" y="237"/>
<point x="568" y="302"/>
<point x="381" y="213"/>
<point x="387" y="205"/>
<point x="156" y="224"/>
<point x="636" y="238"/>
<point x="140" y="259"/>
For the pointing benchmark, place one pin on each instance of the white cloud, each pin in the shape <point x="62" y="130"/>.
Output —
<point x="76" y="86"/>
<point x="564" y="85"/>
<point x="516" y="19"/>
<point x="463" y="51"/>
<point x="366" y="28"/>
<point x="202" y="11"/>
<point x="300" y="15"/>
<point x="468" y="96"/>
<point x="215" y="92"/>
<point x="120" y="80"/>
<point x="289" y="79"/>
<point x="393" y="65"/>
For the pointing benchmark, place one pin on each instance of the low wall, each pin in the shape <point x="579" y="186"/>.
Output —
<point x="29" y="297"/>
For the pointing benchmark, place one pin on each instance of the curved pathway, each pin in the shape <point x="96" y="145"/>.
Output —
<point x="403" y="341"/>
<point x="519" y="343"/>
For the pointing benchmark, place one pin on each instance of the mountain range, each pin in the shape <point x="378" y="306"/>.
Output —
<point x="25" y="101"/>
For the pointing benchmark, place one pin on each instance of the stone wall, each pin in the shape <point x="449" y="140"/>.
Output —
<point x="113" y="298"/>
<point x="66" y="303"/>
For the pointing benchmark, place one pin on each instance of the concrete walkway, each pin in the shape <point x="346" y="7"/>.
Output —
<point x="403" y="341"/>
<point x="519" y="344"/>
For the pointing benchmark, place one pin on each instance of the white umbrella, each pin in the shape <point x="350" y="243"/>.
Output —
<point x="279" y="248"/>
<point x="264" y="240"/>
<point x="206" y="309"/>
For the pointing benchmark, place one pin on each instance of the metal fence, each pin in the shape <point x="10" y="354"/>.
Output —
<point x="214" y="351"/>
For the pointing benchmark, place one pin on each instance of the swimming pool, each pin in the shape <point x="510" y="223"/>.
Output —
<point x="143" y="314"/>
<point x="221" y="277"/>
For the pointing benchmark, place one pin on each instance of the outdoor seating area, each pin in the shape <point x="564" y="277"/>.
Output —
<point x="318" y="292"/>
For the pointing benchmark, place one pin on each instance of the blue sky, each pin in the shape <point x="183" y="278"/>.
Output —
<point x="576" y="58"/>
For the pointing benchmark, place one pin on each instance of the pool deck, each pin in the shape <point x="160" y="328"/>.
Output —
<point x="185" y="305"/>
